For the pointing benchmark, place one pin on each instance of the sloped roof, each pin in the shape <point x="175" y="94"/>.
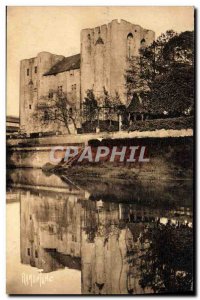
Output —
<point x="12" y="119"/>
<point x="135" y="104"/>
<point x="66" y="64"/>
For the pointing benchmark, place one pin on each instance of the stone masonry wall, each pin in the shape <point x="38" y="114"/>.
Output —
<point x="33" y="86"/>
<point x="104" y="52"/>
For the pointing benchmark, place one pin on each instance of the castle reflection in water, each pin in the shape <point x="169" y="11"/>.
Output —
<point x="120" y="247"/>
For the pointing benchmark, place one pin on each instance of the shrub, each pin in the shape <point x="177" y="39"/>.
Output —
<point x="156" y="124"/>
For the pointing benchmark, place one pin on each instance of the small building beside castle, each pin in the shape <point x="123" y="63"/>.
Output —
<point x="12" y="124"/>
<point x="101" y="64"/>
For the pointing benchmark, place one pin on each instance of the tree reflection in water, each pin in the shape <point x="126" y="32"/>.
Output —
<point x="167" y="261"/>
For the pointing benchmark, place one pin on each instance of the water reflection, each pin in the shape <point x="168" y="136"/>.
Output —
<point x="121" y="246"/>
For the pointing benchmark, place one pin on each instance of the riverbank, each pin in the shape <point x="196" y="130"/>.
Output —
<point x="169" y="158"/>
<point x="123" y="172"/>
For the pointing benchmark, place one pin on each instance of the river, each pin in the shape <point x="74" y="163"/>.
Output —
<point x="98" y="237"/>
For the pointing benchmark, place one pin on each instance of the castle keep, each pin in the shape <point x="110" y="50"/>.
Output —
<point x="102" y="62"/>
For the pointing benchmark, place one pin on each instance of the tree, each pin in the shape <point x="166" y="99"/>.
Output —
<point x="90" y="106"/>
<point x="180" y="48"/>
<point x="135" y="83"/>
<point x="105" y="107"/>
<point x="163" y="76"/>
<point x="167" y="262"/>
<point x="152" y="61"/>
<point x="109" y="106"/>
<point x="113" y="108"/>
<point x="58" y="108"/>
<point x="174" y="92"/>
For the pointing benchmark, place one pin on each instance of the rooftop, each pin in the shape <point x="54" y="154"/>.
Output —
<point x="12" y="119"/>
<point x="66" y="64"/>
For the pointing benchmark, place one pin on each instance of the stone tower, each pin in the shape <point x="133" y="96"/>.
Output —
<point x="102" y="62"/>
<point x="104" y="54"/>
<point x="33" y="85"/>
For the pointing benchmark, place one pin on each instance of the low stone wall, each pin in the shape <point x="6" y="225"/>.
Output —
<point x="35" y="153"/>
<point x="27" y="158"/>
<point x="75" y="139"/>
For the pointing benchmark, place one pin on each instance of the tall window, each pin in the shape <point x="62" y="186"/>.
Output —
<point x="142" y="42"/>
<point x="89" y="45"/>
<point x="129" y="45"/>
<point x="56" y="113"/>
<point x="35" y="69"/>
<point x="46" y="115"/>
<point x="60" y="89"/>
<point x="50" y="95"/>
<point x="73" y="87"/>
<point x="27" y="72"/>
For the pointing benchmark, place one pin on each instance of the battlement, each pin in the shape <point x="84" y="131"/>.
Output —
<point x="115" y="22"/>
<point x="104" y="52"/>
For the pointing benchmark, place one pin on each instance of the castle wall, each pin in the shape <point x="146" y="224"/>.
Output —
<point x="28" y="90"/>
<point x="70" y="82"/>
<point x="49" y="224"/>
<point x="104" y="53"/>
<point x="33" y="86"/>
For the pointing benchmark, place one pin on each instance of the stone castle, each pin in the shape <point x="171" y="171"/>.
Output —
<point x="102" y="62"/>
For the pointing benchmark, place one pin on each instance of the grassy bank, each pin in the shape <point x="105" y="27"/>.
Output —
<point x="169" y="158"/>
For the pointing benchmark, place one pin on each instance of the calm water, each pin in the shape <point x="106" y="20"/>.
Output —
<point x="97" y="237"/>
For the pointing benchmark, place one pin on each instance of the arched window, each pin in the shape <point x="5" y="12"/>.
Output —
<point x="99" y="41"/>
<point x="129" y="44"/>
<point x="142" y="42"/>
<point x="130" y="35"/>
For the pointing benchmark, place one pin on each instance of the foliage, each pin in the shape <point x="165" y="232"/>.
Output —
<point x="167" y="263"/>
<point x="174" y="92"/>
<point x="59" y="108"/>
<point x="105" y="108"/>
<point x="164" y="74"/>
<point x="90" y="107"/>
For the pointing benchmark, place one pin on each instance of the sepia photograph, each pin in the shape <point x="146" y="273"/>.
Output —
<point x="100" y="150"/>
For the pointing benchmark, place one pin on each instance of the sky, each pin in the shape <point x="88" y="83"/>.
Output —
<point x="32" y="29"/>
